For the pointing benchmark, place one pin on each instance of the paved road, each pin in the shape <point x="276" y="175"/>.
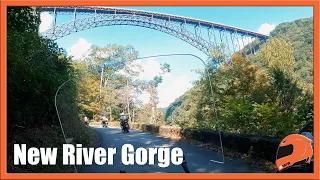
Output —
<point x="197" y="158"/>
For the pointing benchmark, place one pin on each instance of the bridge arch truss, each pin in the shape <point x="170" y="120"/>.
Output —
<point x="203" y="35"/>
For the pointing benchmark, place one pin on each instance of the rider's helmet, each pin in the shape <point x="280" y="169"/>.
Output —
<point x="293" y="149"/>
<point x="122" y="114"/>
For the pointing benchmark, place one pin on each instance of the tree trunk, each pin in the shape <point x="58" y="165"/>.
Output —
<point x="110" y="112"/>
<point x="153" y="108"/>
<point x="128" y="102"/>
<point x="100" y="97"/>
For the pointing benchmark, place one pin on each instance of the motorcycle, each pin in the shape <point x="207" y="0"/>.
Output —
<point x="104" y="124"/>
<point x="125" y="126"/>
<point x="301" y="167"/>
<point x="184" y="165"/>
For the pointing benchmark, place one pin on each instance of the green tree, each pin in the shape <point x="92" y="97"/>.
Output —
<point x="36" y="67"/>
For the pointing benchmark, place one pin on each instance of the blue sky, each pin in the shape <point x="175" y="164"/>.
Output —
<point x="150" y="42"/>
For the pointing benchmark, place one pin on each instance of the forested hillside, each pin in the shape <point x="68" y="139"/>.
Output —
<point x="300" y="34"/>
<point x="36" y="67"/>
<point x="268" y="93"/>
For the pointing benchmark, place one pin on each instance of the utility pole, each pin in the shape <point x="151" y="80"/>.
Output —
<point x="100" y="98"/>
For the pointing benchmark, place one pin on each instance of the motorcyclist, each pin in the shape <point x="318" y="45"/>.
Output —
<point x="122" y="118"/>
<point x="86" y="121"/>
<point x="104" y="120"/>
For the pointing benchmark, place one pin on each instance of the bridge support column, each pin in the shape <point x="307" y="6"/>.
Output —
<point x="55" y="19"/>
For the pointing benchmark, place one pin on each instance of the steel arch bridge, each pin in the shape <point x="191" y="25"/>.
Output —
<point x="203" y="35"/>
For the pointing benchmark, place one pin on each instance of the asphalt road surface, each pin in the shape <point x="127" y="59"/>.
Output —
<point x="197" y="158"/>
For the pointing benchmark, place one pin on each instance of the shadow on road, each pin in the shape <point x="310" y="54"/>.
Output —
<point x="197" y="158"/>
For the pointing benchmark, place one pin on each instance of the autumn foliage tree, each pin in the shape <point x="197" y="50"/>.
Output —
<point x="256" y="94"/>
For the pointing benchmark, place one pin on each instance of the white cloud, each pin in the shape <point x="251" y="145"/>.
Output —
<point x="172" y="87"/>
<point x="46" y="21"/>
<point x="144" y="97"/>
<point x="150" y="69"/>
<point x="266" y="28"/>
<point x="147" y="69"/>
<point x="79" y="49"/>
<point x="170" y="91"/>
